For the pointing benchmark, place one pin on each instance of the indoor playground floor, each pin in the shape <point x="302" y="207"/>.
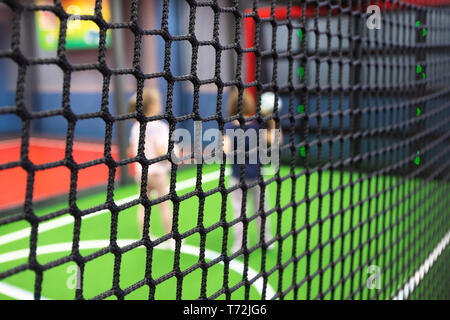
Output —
<point x="343" y="217"/>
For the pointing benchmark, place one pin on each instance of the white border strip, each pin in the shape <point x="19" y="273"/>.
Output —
<point x="21" y="294"/>
<point x="16" y="292"/>
<point x="414" y="281"/>
<point x="66" y="220"/>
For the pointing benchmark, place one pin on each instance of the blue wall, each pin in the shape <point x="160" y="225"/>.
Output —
<point x="9" y="124"/>
<point x="182" y="97"/>
<point x="83" y="102"/>
<point x="87" y="102"/>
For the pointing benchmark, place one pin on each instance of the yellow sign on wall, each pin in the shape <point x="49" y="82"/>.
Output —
<point x="81" y="34"/>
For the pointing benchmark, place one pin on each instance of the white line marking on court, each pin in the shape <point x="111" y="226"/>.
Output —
<point x="414" y="281"/>
<point x="235" y="265"/>
<point x="66" y="220"/>
<point x="16" y="292"/>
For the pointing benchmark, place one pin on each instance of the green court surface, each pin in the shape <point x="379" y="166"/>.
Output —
<point x="332" y="228"/>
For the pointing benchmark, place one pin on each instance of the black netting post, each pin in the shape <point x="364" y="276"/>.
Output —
<point x="119" y="97"/>
<point x="420" y="58"/>
<point x="355" y="82"/>
<point x="29" y="46"/>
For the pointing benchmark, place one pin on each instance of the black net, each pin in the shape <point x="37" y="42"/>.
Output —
<point x="360" y="201"/>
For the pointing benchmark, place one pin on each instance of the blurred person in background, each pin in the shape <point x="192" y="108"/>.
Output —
<point x="156" y="145"/>
<point x="251" y="170"/>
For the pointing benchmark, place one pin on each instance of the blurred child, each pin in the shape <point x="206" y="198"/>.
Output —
<point x="156" y="145"/>
<point x="251" y="170"/>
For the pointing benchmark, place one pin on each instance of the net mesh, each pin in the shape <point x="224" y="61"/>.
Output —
<point x="365" y="151"/>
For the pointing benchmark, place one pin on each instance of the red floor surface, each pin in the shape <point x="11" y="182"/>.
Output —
<point x="50" y="182"/>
